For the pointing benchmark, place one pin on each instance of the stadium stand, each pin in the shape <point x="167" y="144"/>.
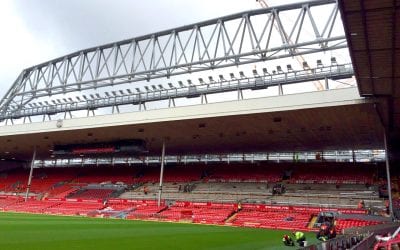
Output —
<point x="190" y="193"/>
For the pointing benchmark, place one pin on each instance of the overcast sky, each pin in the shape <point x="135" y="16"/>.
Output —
<point x="34" y="31"/>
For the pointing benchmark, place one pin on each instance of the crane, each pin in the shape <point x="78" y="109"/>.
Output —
<point x="299" y="58"/>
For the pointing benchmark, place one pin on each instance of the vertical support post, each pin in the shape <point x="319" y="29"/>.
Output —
<point x="389" y="185"/>
<point x="161" y="173"/>
<point x="326" y="84"/>
<point x="30" y="174"/>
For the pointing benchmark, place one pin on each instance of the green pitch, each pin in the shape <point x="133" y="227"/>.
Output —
<point x="25" y="231"/>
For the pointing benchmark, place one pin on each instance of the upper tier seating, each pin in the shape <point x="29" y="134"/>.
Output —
<point x="334" y="174"/>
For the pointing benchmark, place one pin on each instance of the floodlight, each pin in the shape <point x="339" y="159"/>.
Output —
<point x="58" y="100"/>
<point x="333" y="60"/>
<point x="34" y="104"/>
<point x="97" y="95"/>
<point x="171" y="85"/>
<point x="210" y="78"/>
<point x="255" y="73"/>
<point x="84" y="97"/>
<point x="274" y="72"/>
<point x="30" y="105"/>
<point x="289" y="67"/>
<point x="129" y="91"/>
<point x="40" y="103"/>
<point x="147" y="88"/>
<point x="137" y="90"/>
<point x="65" y="100"/>
<point x="221" y="78"/>
<point x="189" y="81"/>
<point x="122" y="92"/>
<point x="232" y="76"/>
<point x="242" y="74"/>
<point x="181" y="84"/>
<point x="160" y="86"/>
<point x="70" y="99"/>
<point x="319" y="63"/>
<point x="154" y="87"/>
<point x="107" y="94"/>
<point x="54" y="102"/>
<point x="45" y="102"/>
<point x="305" y="65"/>
<point x="265" y="71"/>
<point x="92" y="96"/>
<point x="201" y="81"/>
<point x="279" y="69"/>
<point x="78" y="98"/>
<point x="114" y="93"/>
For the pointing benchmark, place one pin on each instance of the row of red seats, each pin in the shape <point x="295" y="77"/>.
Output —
<point x="272" y="219"/>
<point x="348" y="223"/>
<point x="93" y="194"/>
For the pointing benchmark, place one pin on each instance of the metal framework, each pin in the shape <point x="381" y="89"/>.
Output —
<point x="259" y="80"/>
<point x="242" y="38"/>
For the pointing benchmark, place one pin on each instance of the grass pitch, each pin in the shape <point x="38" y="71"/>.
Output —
<point x="26" y="231"/>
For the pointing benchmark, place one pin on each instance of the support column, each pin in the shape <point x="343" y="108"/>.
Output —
<point x="389" y="184"/>
<point x="161" y="173"/>
<point x="30" y="174"/>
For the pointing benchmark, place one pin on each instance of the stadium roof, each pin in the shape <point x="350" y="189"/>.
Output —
<point x="373" y="35"/>
<point x="334" y="119"/>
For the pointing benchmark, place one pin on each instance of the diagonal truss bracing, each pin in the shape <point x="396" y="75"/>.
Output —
<point x="237" y="39"/>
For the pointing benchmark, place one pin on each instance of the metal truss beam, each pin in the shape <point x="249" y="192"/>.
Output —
<point x="246" y="37"/>
<point x="257" y="81"/>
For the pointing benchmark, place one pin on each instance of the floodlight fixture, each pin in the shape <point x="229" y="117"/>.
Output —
<point x="181" y="84"/>
<point x="333" y="60"/>
<point x="40" y="103"/>
<point x="305" y="65"/>
<point x="242" y="74"/>
<point x="84" y="97"/>
<point x="65" y="100"/>
<point x="171" y="85"/>
<point x="265" y="71"/>
<point x="129" y="91"/>
<point x="289" y="67"/>
<point x="58" y="100"/>
<point x="221" y="78"/>
<point x="114" y="93"/>
<point x="122" y="92"/>
<point x="211" y="79"/>
<point x="30" y="105"/>
<point x="189" y="82"/>
<point x="160" y="86"/>
<point x="107" y="94"/>
<point x="70" y="99"/>
<point x="45" y="102"/>
<point x="137" y="90"/>
<point x="98" y="95"/>
<point x="153" y="87"/>
<point x="78" y="98"/>
<point x="54" y="102"/>
<point x="279" y="69"/>
<point x="92" y="96"/>
<point x="147" y="88"/>
<point x="319" y="63"/>
<point x="34" y="104"/>
<point x="201" y="81"/>
<point x="255" y="73"/>
<point x="232" y="76"/>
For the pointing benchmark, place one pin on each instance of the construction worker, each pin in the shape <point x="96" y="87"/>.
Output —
<point x="300" y="237"/>
<point x="287" y="240"/>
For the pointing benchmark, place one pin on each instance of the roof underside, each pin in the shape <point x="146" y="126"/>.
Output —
<point x="297" y="123"/>
<point x="373" y="34"/>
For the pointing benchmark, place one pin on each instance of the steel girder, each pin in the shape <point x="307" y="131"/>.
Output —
<point x="227" y="41"/>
